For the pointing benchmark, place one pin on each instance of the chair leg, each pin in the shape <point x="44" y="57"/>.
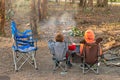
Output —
<point x="33" y="58"/>
<point x="83" y="68"/>
<point x="86" y="68"/>
<point x="66" y="67"/>
<point x="56" y="65"/>
<point x="14" y="59"/>
<point x="59" y="65"/>
<point x="97" y="71"/>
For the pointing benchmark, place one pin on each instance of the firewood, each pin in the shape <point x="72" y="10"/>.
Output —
<point x="113" y="64"/>
<point x="110" y="45"/>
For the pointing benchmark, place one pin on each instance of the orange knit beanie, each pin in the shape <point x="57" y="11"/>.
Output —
<point x="89" y="36"/>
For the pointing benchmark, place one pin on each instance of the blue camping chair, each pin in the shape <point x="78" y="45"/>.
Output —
<point x="23" y="47"/>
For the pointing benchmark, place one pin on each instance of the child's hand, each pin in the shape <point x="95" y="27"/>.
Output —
<point x="73" y="44"/>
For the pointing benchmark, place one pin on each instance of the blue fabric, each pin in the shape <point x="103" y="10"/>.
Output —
<point x="24" y="34"/>
<point x="77" y="50"/>
<point x="51" y="44"/>
<point x="17" y="35"/>
<point x="24" y="49"/>
<point x="23" y="41"/>
<point x="58" y="49"/>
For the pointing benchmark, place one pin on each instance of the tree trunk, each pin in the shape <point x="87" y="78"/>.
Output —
<point x="43" y="8"/>
<point x="105" y="3"/>
<point x="65" y="4"/>
<point x="83" y="3"/>
<point x="73" y="1"/>
<point x="39" y="11"/>
<point x="102" y="3"/>
<point x="2" y="17"/>
<point x="99" y="3"/>
<point x="56" y="1"/>
<point x="33" y="18"/>
<point x="90" y="3"/>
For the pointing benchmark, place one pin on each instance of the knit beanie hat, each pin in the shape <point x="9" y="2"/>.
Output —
<point x="89" y="36"/>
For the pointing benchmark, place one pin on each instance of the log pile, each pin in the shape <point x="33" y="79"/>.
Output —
<point x="109" y="45"/>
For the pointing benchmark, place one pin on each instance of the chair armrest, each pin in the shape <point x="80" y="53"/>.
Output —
<point x="27" y="31"/>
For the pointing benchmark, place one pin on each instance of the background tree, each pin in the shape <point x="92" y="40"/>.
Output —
<point x="81" y="3"/>
<point x="39" y="11"/>
<point x="90" y="3"/>
<point x="43" y="8"/>
<point x="2" y="17"/>
<point x="33" y="18"/>
<point x="86" y="3"/>
<point x="105" y="2"/>
<point x="102" y="3"/>
<point x="73" y="1"/>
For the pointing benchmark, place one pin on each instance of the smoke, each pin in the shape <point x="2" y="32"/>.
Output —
<point x="63" y="22"/>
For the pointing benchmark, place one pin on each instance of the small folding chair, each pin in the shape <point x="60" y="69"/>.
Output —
<point x="91" y="58"/>
<point x="58" y="50"/>
<point x="23" y="48"/>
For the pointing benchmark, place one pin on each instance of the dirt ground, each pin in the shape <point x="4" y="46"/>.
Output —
<point x="45" y="65"/>
<point x="105" y="24"/>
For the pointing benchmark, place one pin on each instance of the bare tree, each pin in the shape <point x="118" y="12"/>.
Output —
<point x="43" y="8"/>
<point x="39" y="11"/>
<point x="73" y="1"/>
<point x="102" y="3"/>
<point x="33" y="18"/>
<point x="83" y="3"/>
<point x="58" y="1"/>
<point x="105" y="2"/>
<point x="90" y="3"/>
<point x="2" y="17"/>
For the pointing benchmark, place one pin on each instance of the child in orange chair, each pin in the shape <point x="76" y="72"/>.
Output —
<point x="89" y="37"/>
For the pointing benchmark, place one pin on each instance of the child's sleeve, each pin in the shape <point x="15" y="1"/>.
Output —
<point x="81" y="48"/>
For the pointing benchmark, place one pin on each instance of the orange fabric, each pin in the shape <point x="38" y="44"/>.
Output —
<point x="101" y="51"/>
<point x="81" y="48"/>
<point x="89" y="36"/>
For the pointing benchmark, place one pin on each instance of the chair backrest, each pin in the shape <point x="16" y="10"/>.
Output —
<point x="60" y="49"/>
<point x="13" y="28"/>
<point x="51" y="44"/>
<point x="14" y="33"/>
<point x="91" y="53"/>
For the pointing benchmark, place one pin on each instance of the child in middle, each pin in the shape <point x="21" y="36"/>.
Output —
<point x="60" y="38"/>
